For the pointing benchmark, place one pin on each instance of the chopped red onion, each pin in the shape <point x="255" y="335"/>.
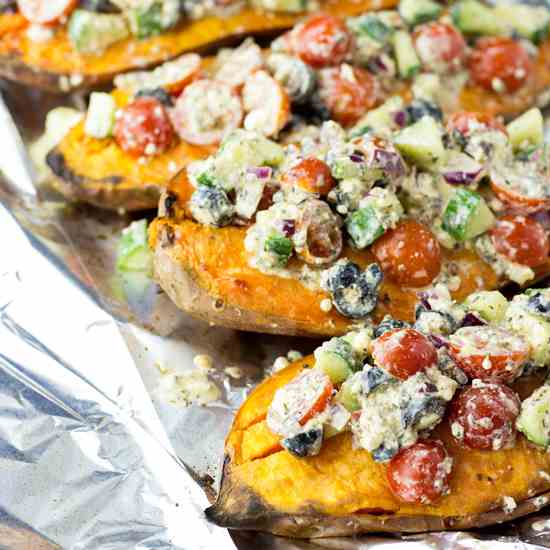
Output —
<point x="461" y="169"/>
<point x="356" y="158"/>
<point x="288" y="228"/>
<point x="438" y="341"/>
<point x="400" y="118"/>
<point x="472" y="320"/>
<point x="390" y="161"/>
<point x="261" y="172"/>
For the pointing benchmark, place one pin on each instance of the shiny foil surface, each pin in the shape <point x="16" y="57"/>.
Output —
<point x="95" y="451"/>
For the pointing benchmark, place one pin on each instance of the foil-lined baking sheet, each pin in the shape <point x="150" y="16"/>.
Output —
<point x="97" y="451"/>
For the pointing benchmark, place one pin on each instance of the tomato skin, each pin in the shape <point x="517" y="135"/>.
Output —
<point x="323" y="40"/>
<point x="319" y="405"/>
<point x="499" y="58"/>
<point x="409" y="255"/>
<point x="500" y="363"/>
<point x="521" y="239"/>
<point x="348" y="92"/>
<point x="403" y="352"/>
<point x="144" y="128"/>
<point x="483" y="417"/>
<point x="515" y="200"/>
<point x="461" y="122"/>
<point x="310" y="174"/>
<point x="440" y="46"/>
<point x="420" y="474"/>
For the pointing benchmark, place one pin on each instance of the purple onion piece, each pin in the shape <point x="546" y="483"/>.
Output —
<point x="400" y="118"/>
<point x="438" y="341"/>
<point x="461" y="169"/>
<point x="356" y="158"/>
<point x="261" y="172"/>
<point x="288" y="228"/>
<point x="458" y="177"/>
<point x="472" y="320"/>
<point x="543" y="217"/>
<point x="377" y="65"/>
<point x="389" y="161"/>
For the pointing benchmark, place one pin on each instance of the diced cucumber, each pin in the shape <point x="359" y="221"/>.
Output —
<point x="205" y="179"/>
<point x="100" y="119"/>
<point x="415" y="12"/>
<point x="146" y="21"/>
<point x="343" y="168"/>
<point x="288" y="6"/>
<point x="526" y="130"/>
<point x="530" y="22"/>
<point x="534" y="418"/>
<point x="334" y="365"/>
<point x="347" y="397"/>
<point x="380" y="119"/>
<point x="408" y="62"/>
<point x="364" y="227"/>
<point x="134" y="253"/>
<point x="490" y="304"/>
<point x="422" y="142"/>
<point x="92" y="32"/>
<point x="372" y="26"/>
<point x="281" y="247"/>
<point x="472" y="17"/>
<point x="467" y="215"/>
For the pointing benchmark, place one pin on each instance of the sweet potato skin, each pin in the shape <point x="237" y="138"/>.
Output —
<point x="342" y="491"/>
<point x="44" y="64"/>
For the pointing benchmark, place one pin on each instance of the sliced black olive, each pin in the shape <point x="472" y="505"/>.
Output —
<point x="211" y="206"/>
<point x="305" y="443"/>
<point x="355" y="292"/>
<point x="388" y="324"/>
<point x="420" y="108"/>
<point x="313" y="111"/>
<point x="160" y="94"/>
<point x="415" y="409"/>
<point x="539" y="304"/>
<point x="450" y="369"/>
<point x="385" y="452"/>
<point x="373" y="377"/>
<point x="99" y="6"/>
<point x="8" y="6"/>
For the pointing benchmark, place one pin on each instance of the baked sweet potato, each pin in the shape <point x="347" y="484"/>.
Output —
<point x="342" y="491"/>
<point x="205" y="271"/>
<point x="54" y="65"/>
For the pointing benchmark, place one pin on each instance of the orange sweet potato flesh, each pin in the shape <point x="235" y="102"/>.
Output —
<point x="342" y="491"/>
<point x="44" y="64"/>
<point x="205" y="272"/>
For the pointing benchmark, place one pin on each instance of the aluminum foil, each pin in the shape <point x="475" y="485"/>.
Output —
<point x="95" y="452"/>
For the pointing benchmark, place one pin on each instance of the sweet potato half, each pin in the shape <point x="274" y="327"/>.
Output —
<point x="204" y="270"/>
<point x="342" y="491"/>
<point x="99" y="172"/>
<point x="49" y="65"/>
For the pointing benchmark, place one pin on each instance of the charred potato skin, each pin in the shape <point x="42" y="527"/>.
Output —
<point x="49" y="65"/>
<point x="243" y="500"/>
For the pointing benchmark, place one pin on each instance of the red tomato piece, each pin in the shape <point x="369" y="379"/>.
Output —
<point x="144" y="128"/>
<point x="267" y="104"/>
<point x="440" y="46"/>
<point x="521" y="239"/>
<point x="420" y="474"/>
<point x="467" y="121"/>
<point x="403" y="352"/>
<point x="348" y="92"/>
<point x="206" y="112"/>
<point x="45" y="12"/>
<point x="299" y="401"/>
<point x="488" y="353"/>
<point x="484" y="416"/>
<point x="499" y="62"/>
<point x="322" y="40"/>
<point x="310" y="174"/>
<point x="409" y="254"/>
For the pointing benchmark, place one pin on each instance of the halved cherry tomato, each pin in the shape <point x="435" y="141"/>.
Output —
<point x="440" y="46"/>
<point x="321" y="233"/>
<point x="310" y="174"/>
<point x="348" y="92"/>
<point x="322" y="40"/>
<point x="206" y="112"/>
<point x="403" y="352"/>
<point x="499" y="61"/>
<point x="409" y="254"/>
<point x="44" y="12"/>
<point x="521" y="239"/>
<point x="299" y="401"/>
<point x="143" y="127"/>
<point x="521" y="191"/>
<point x="488" y="353"/>
<point x="420" y="473"/>
<point x="236" y="65"/>
<point x="173" y="76"/>
<point x="467" y="121"/>
<point x="484" y="416"/>
<point x="267" y="104"/>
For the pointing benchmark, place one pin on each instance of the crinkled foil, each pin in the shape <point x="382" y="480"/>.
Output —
<point x="94" y="452"/>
